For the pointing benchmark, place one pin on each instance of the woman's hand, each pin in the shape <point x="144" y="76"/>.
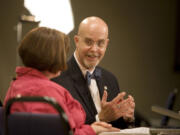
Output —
<point x="99" y="127"/>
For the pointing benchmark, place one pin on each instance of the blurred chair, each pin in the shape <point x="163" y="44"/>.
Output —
<point x="169" y="105"/>
<point x="24" y="123"/>
<point x="0" y="103"/>
<point x="1" y="120"/>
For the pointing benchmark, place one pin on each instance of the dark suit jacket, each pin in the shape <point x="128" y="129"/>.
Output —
<point x="73" y="80"/>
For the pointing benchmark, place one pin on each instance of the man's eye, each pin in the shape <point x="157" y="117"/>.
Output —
<point x="101" y="43"/>
<point x="89" y="42"/>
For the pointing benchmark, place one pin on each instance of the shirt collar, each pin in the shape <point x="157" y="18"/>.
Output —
<point x="22" y="71"/>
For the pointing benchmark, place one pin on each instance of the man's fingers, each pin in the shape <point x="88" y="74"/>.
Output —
<point x="130" y="97"/>
<point x="130" y="101"/>
<point x="104" y="98"/>
<point x="133" y="104"/>
<point x="119" y="97"/>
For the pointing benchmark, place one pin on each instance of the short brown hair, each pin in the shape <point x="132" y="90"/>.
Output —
<point x="44" y="49"/>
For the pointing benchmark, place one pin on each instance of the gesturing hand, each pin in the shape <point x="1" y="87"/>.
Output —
<point x="109" y="110"/>
<point x="118" y="107"/>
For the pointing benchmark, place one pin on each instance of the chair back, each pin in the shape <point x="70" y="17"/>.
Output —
<point x="169" y="105"/>
<point x="24" y="123"/>
<point x="0" y="103"/>
<point x="1" y="120"/>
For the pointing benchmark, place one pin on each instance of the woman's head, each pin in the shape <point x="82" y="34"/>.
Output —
<point x="44" y="49"/>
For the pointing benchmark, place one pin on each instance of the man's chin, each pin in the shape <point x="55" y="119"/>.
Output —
<point x="91" y="65"/>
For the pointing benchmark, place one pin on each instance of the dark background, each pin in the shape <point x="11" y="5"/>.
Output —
<point x="143" y="52"/>
<point x="177" y="53"/>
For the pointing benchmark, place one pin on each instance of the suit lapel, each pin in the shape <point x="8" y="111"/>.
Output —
<point x="81" y="86"/>
<point x="100" y="83"/>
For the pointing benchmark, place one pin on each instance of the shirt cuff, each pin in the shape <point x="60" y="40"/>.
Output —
<point x="97" y="118"/>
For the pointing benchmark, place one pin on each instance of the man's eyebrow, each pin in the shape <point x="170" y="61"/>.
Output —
<point x="100" y="40"/>
<point x="87" y="38"/>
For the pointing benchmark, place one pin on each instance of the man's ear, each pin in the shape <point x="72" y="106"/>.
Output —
<point x="76" y="39"/>
<point x="107" y="41"/>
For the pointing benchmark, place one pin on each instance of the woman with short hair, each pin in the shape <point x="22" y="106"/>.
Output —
<point x="43" y="52"/>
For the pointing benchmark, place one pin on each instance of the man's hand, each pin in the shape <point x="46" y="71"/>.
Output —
<point x="118" y="107"/>
<point x="129" y="109"/>
<point x="109" y="110"/>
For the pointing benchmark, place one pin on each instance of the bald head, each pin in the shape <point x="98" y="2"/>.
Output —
<point x="91" y="25"/>
<point x="91" y="42"/>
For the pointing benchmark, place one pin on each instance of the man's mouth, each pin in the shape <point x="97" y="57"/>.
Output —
<point x="92" y="57"/>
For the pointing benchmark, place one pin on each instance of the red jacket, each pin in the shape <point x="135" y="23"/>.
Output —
<point x="31" y="82"/>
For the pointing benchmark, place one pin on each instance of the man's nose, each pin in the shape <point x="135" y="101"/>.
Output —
<point x="94" y="47"/>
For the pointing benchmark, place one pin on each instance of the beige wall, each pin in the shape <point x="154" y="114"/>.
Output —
<point x="140" y="52"/>
<point x="141" y="48"/>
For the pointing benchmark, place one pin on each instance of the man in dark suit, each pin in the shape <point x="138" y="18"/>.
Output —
<point x="94" y="87"/>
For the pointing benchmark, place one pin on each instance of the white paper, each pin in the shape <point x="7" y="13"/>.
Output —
<point x="132" y="131"/>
